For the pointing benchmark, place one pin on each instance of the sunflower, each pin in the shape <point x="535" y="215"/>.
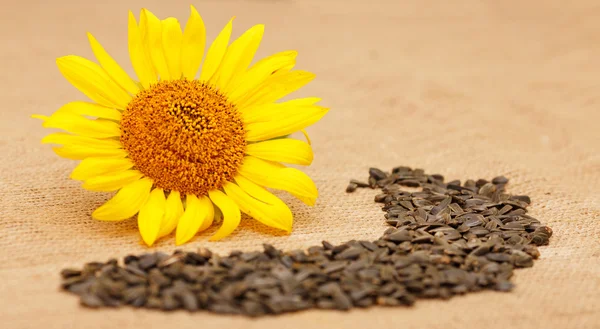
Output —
<point x="184" y="147"/>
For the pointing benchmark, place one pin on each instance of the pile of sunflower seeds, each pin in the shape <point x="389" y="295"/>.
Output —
<point x="445" y="239"/>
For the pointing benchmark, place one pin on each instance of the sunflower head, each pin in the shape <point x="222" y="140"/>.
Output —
<point x="197" y="138"/>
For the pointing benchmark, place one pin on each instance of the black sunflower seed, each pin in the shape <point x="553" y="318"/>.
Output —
<point x="445" y="239"/>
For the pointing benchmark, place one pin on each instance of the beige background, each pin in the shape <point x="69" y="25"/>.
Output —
<point x="468" y="89"/>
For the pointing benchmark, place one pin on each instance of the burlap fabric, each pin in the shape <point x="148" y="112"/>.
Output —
<point x="465" y="88"/>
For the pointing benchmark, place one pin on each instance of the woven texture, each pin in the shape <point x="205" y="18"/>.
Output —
<point x="468" y="89"/>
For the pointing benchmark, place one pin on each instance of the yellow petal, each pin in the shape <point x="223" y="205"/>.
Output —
<point x="40" y="117"/>
<point x="173" y="211"/>
<point x="143" y="28"/>
<point x="140" y="59"/>
<point x="282" y="150"/>
<point x="93" y="81"/>
<point x="275" y="87"/>
<point x="255" y="167"/>
<point x="260" y="193"/>
<point x="80" y="152"/>
<point x="81" y="126"/>
<point x="90" y="109"/>
<point x="238" y="56"/>
<point x="284" y="69"/>
<point x="285" y="124"/>
<point x="306" y="136"/>
<point x="151" y="216"/>
<point x="258" y="73"/>
<point x="274" y="111"/>
<point x="172" y="38"/>
<point x="210" y="216"/>
<point x="112" y="68"/>
<point x="231" y="214"/>
<point x="112" y="181"/>
<point x="296" y="183"/>
<point x="192" y="45"/>
<point x="92" y="167"/>
<point x="196" y="212"/>
<point x="270" y="215"/>
<point x="126" y="203"/>
<point x="215" y="53"/>
<point x="257" y="113"/>
<point x="273" y="175"/>
<point x="75" y="140"/>
<point x="310" y="201"/>
<point x="154" y="41"/>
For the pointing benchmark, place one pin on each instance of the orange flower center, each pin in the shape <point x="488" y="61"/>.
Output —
<point x="185" y="135"/>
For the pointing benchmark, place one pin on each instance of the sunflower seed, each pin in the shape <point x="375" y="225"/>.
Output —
<point x="446" y="239"/>
<point x="359" y="183"/>
<point x="351" y="188"/>
<point x="523" y="198"/>
<point x="410" y="183"/>
<point x="376" y="173"/>
<point x="92" y="301"/>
